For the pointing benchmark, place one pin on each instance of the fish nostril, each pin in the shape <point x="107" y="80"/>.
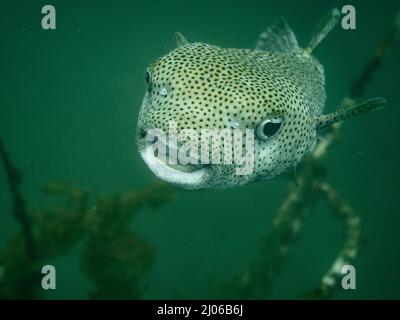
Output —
<point x="141" y="133"/>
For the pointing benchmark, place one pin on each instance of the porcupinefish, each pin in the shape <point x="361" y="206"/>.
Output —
<point x="276" y="92"/>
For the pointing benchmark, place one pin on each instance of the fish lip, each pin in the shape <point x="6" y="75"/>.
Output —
<point x="191" y="180"/>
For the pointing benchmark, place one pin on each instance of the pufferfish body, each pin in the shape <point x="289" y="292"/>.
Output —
<point x="276" y="90"/>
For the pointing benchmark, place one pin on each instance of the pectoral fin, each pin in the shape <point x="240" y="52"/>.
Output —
<point x="328" y="119"/>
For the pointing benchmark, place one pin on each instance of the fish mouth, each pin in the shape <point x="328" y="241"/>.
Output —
<point x="189" y="176"/>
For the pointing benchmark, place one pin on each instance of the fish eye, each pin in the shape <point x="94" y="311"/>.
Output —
<point x="268" y="128"/>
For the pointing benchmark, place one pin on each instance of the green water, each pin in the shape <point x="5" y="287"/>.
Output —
<point x="69" y="101"/>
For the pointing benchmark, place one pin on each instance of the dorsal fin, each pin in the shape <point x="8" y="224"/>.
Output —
<point x="180" y="39"/>
<point x="323" y="28"/>
<point x="278" y="37"/>
<point x="328" y="119"/>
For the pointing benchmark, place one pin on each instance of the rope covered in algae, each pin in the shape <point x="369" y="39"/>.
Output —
<point x="255" y="282"/>
<point x="14" y="179"/>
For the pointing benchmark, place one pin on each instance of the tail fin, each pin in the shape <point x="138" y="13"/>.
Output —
<point x="324" y="27"/>
<point x="328" y="119"/>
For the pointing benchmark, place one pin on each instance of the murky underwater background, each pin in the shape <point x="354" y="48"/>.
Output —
<point x="69" y="101"/>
